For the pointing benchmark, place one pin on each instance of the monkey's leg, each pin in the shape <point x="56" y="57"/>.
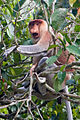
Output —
<point x="30" y="94"/>
<point x="31" y="80"/>
<point x="68" y="106"/>
<point x="30" y="88"/>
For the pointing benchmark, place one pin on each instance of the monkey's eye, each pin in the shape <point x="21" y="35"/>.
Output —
<point x="37" y="23"/>
<point x="32" y="24"/>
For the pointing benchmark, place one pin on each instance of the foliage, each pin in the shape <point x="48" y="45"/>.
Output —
<point x="14" y="18"/>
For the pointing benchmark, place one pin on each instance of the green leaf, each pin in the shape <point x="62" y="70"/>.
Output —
<point x="77" y="28"/>
<point x="10" y="10"/>
<point x="73" y="49"/>
<point x="61" y="76"/>
<point x="4" y="74"/>
<point x="12" y="71"/>
<point x="70" y="82"/>
<point x="63" y="43"/>
<point x="50" y="2"/>
<point x="16" y="57"/>
<point x="68" y="18"/>
<point x="59" y="52"/>
<point x="58" y="81"/>
<point x="71" y="16"/>
<point x="76" y="77"/>
<point x="71" y="2"/>
<point x="9" y="34"/>
<point x="51" y="60"/>
<point x="52" y="46"/>
<point x="27" y="42"/>
<point x="16" y="71"/>
<point x="1" y="2"/>
<point x="78" y="40"/>
<point x="10" y="30"/>
<point x="57" y="86"/>
<point x="4" y="110"/>
<point x="21" y="2"/>
<point x="62" y="68"/>
<point x="77" y="4"/>
<point x="67" y="38"/>
<point x="58" y="18"/>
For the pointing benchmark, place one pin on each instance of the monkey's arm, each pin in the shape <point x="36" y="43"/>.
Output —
<point x="36" y="49"/>
<point x="32" y="50"/>
<point x="29" y="50"/>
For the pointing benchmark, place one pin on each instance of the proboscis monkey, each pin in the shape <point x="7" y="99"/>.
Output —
<point x="42" y="40"/>
<point x="42" y="37"/>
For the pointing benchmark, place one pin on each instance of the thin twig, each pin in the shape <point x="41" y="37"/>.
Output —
<point x="22" y="80"/>
<point x="15" y="30"/>
<point x="53" y="6"/>
<point x="13" y="103"/>
<point x="19" y="109"/>
<point x="37" y="110"/>
<point x="31" y="112"/>
<point x="56" y="69"/>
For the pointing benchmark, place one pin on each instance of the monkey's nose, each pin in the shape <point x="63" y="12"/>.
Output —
<point x="35" y="30"/>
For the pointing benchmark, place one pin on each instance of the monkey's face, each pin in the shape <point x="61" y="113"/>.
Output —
<point x="37" y="28"/>
<point x="34" y="28"/>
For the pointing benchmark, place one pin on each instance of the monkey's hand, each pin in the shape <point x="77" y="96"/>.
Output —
<point x="8" y="51"/>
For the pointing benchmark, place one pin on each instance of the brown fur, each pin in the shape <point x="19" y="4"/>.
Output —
<point x="39" y="31"/>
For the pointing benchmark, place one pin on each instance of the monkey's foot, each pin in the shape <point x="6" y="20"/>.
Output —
<point x="32" y="69"/>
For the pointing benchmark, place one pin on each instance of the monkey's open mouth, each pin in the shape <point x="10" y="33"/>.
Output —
<point x="35" y="35"/>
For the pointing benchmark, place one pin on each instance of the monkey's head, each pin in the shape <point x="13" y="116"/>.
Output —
<point x="37" y="28"/>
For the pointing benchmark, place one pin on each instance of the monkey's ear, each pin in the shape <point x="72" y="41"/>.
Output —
<point x="32" y="50"/>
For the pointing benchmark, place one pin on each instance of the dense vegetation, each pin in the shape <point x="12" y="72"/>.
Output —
<point x="64" y="17"/>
